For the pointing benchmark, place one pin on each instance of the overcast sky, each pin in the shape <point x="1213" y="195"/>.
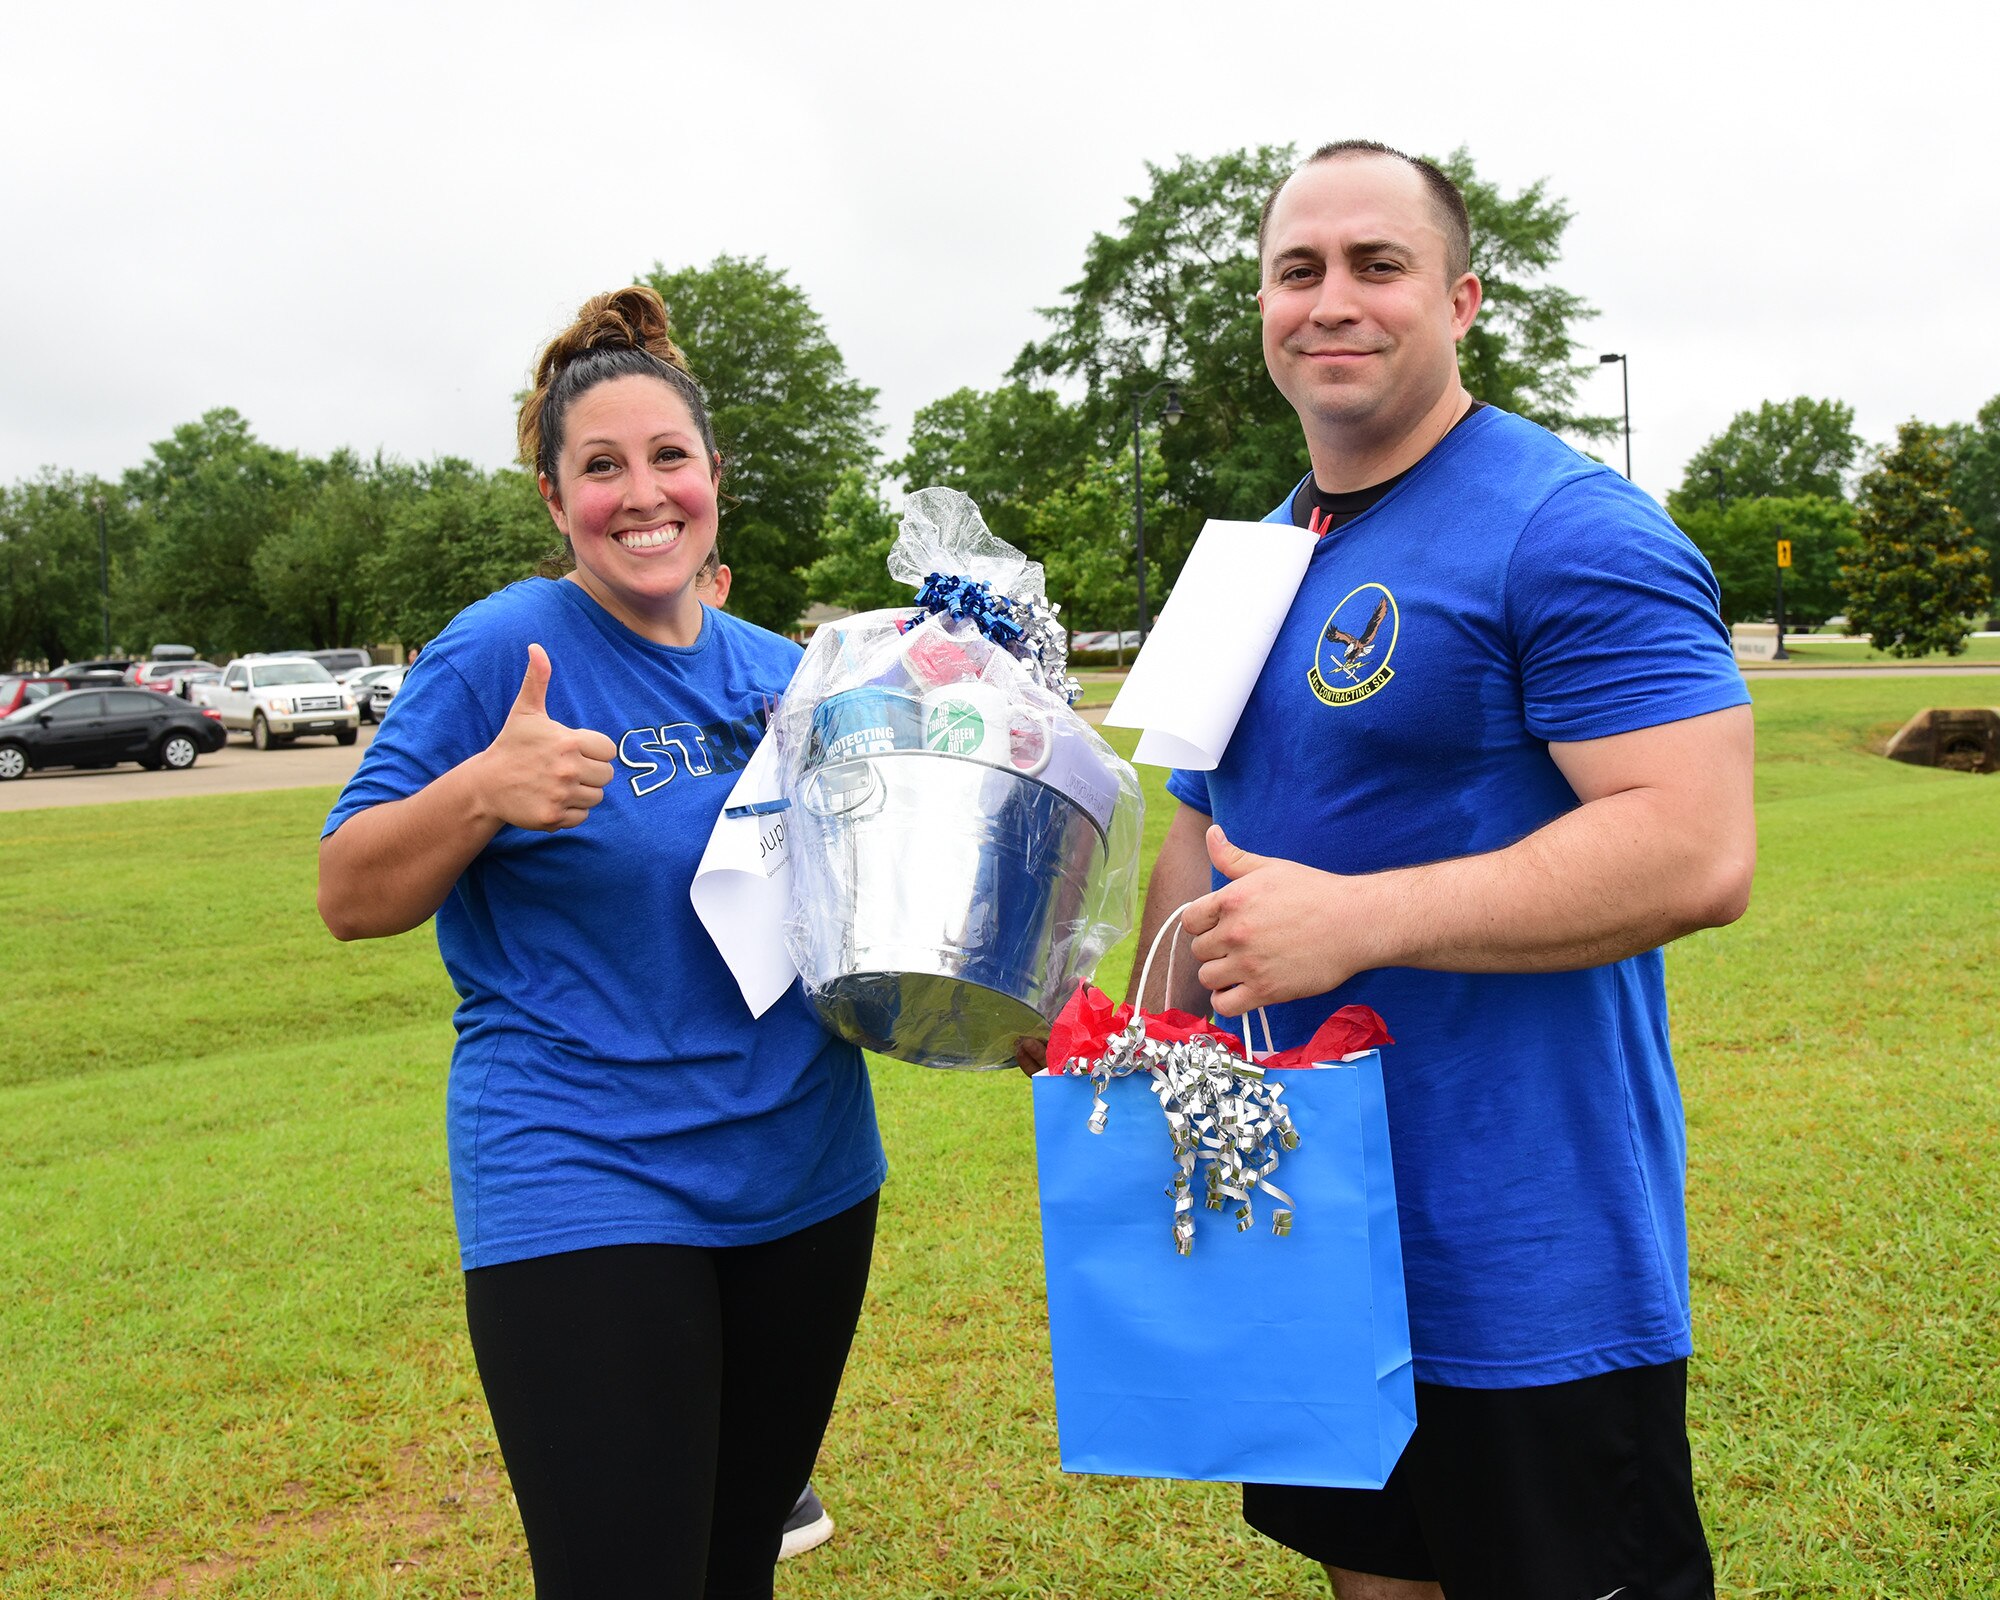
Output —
<point x="357" y="223"/>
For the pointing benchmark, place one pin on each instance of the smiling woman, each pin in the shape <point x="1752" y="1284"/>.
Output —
<point x="665" y="1206"/>
<point x="623" y="451"/>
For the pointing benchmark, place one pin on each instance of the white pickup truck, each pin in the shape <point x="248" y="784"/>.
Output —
<point x="278" y="698"/>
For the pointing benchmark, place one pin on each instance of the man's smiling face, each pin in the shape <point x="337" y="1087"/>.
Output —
<point x="1362" y="313"/>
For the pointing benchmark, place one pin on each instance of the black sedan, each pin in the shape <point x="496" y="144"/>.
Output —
<point x="102" y="727"/>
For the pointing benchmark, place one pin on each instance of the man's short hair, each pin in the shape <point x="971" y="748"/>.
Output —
<point x="1449" y="204"/>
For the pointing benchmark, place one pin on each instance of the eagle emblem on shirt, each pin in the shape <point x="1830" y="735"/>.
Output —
<point x="1351" y="655"/>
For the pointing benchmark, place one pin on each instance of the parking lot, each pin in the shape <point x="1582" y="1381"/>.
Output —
<point x="234" y="769"/>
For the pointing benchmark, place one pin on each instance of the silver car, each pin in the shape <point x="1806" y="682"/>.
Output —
<point x="361" y="684"/>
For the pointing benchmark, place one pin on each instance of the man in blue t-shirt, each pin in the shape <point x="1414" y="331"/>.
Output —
<point x="1499" y="755"/>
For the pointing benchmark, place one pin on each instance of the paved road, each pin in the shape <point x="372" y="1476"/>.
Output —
<point x="238" y="769"/>
<point x="1974" y="669"/>
<point x="234" y="769"/>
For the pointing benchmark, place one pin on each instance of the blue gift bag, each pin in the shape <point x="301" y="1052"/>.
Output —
<point x="1257" y="1358"/>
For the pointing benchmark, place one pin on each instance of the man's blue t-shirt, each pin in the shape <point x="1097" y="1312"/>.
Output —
<point x="1508" y="593"/>
<point x="609" y="1085"/>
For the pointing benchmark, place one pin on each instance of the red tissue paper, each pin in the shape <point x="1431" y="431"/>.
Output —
<point x="1087" y="1023"/>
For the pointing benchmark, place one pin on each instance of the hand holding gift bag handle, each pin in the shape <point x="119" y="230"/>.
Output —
<point x="1272" y="932"/>
<point x="1032" y="1055"/>
<point x="1173" y="920"/>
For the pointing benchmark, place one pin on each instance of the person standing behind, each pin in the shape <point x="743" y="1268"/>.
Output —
<point x="1499" y="754"/>
<point x="665" y="1206"/>
<point x="712" y="581"/>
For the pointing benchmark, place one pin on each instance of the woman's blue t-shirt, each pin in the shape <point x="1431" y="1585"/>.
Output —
<point x="609" y="1086"/>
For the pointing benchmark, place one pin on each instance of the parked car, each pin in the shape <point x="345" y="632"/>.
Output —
<point x="102" y="727"/>
<point x="183" y="682"/>
<point x="1107" y="640"/>
<point x="163" y="675"/>
<point x="359" y="684"/>
<point x="279" y="698"/>
<point x="382" y="691"/>
<point x="103" y="669"/>
<point x="21" y="689"/>
<point x="339" y="662"/>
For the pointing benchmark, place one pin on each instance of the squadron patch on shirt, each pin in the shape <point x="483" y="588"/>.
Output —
<point x="1351" y="660"/>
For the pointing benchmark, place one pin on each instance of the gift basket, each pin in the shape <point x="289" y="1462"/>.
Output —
<point x="964" y="846"/>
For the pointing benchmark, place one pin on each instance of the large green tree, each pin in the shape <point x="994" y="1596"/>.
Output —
<point x="460" y="535"/>
<point x="314" y="574"/>
<point x="1172" y="294"/>
<point x="207" y="498"/>
<point x="1782" y="449"/>
<point x="788" y="420"/>
<point x="1917" y="577"/>
<point x="853" y="565"/>
<point x="51" y="595"/>
<point x="1522" y="352"/>
<point x="1082" y="535"/>
<point x="1741" y="543"/>
<point x="1975" y="481"/>
<point x="1008" y="448"/>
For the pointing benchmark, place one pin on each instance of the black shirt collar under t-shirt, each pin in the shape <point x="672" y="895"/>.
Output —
<point x="1314" y="508"/>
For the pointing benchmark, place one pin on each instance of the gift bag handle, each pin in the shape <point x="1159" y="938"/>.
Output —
<point x="1146" y="973"/>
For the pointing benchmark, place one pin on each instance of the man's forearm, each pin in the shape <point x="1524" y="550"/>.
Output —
<point x="1601" y="883"/>
<point x="1664" y="842"/>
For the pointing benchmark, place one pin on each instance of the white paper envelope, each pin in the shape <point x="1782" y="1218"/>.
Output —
<point x="1193" y="677"/>
<point x="743" y="887"/>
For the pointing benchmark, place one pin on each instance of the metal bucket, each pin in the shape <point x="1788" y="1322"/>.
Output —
<point x="953" y="899"/>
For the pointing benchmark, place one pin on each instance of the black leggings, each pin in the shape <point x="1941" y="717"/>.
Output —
<point x="659" y="1406"/>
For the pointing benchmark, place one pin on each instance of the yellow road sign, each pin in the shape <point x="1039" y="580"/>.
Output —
<point x="1784" y="552"/>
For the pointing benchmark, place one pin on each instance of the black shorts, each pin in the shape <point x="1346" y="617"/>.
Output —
<point x="1568" y="1491"/>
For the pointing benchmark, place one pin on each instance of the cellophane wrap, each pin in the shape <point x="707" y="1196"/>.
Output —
<point x="948" y="812"/>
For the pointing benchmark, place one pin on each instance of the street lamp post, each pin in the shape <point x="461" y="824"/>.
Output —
<point x="1170" y="415"/>
<point x="103" y="569"/>
<point x="1625" y="384"/>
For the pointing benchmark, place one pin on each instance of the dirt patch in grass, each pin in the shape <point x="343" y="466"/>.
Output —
<point x="404" y="1524"/>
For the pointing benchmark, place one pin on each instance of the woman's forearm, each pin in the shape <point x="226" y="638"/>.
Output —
<point x="387" y="869"/>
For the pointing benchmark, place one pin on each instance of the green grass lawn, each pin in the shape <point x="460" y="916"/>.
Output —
<point x="232" y="1360"/>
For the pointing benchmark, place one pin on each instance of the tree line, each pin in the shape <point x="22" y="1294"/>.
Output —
<point x="227" y="543"/>
<point x="1911" y="558"/>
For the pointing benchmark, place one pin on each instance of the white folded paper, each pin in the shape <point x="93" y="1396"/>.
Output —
<point x="743" y="887"/>
<point x="1193" y="677"/>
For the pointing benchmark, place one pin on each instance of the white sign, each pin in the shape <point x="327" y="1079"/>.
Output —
<point x="743" y="887"/>
<point x="1201" y="660"/>
<point x="1754" y="641"/>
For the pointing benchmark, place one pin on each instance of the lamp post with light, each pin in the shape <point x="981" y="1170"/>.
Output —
<point x="103" y="569"/>
<point x="1625" y="384"/>
<point x="1169" y="414"/>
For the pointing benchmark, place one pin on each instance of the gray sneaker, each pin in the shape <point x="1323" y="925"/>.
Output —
<point x="807" y="1528"/>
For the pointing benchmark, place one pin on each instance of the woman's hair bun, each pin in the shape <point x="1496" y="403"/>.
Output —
<point x="634" y="318"/>
<point x="612" y="335"/>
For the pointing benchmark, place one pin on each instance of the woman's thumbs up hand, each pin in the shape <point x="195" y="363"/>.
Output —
<point x="538" y="773"/>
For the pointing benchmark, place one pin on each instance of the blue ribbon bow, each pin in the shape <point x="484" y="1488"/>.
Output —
<point x="995" y="615"/>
